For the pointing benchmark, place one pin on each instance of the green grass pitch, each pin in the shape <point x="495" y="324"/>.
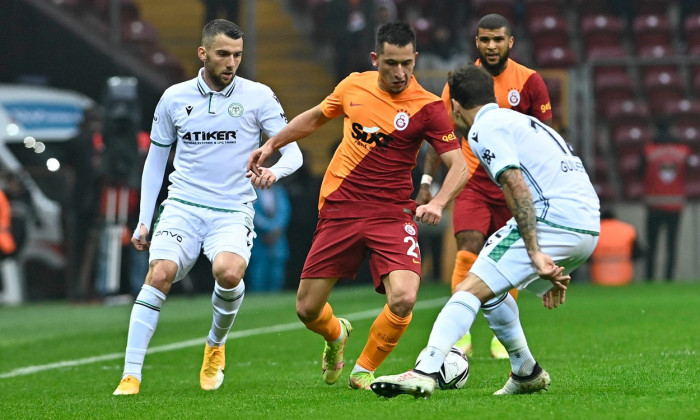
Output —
<point x="613" y="353"/>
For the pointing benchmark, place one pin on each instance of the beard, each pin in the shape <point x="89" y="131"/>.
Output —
<point x="494" y="69"/>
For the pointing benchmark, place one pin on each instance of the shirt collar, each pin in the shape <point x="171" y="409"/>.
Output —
<point x="205" y="90"/>
<point x="484" y="109"/>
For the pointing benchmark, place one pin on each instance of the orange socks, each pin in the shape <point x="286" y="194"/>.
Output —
<point x="463" y="263"/>
<point x="384" y="335"/>
<point x="326" y="324"/>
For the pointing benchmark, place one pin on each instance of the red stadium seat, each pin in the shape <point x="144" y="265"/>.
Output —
<point x="631" y="137"/>
<point x="691" y="31"/>
<point x="644" y="7"/>
<point x="611" y="89"/>
<point x="651" y="30"/>
<point x="506" y="8"/>
<point x="534" y="9"/>
<point x="587" y="8"/>
<point x="654" y="51"/>
<point x="556" y="57"/>
<point x="604" y="51"/>
<point x="663" y="91"/>
<point x="549" y="31"/>
<point x="601" y="30"/>
<point x="630" y="113"/>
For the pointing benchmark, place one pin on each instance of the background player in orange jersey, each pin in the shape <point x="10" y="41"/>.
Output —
<point x="365" y="209"/>
<point x="480" y="208"/>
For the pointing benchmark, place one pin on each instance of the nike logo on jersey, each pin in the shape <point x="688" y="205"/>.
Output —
<point x="189" y="108"/>
<point x="354" y="104"/>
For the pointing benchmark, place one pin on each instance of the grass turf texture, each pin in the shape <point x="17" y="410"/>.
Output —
<point x="622" y="353"/>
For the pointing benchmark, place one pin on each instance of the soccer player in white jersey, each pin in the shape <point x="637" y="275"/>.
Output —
<point x="217" y="119"/>
<point x="554" y="229"/>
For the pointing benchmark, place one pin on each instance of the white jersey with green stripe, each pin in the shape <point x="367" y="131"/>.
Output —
<point x="215" y="133"/>
<point x="562" y="192"/>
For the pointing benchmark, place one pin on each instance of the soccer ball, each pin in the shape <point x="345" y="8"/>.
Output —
<point x="454" y="371"/>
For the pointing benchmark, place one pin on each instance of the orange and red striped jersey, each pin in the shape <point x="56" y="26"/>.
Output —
<point x="518" y="88"/>
<point x="370" y="172"/>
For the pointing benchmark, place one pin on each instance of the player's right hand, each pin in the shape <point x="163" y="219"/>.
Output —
<point x="140" y="242"/>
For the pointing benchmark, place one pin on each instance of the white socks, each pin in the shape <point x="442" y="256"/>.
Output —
<point x="226" y="303"/>
<point x="455" y="319"/>
<point x="502" y="316"/>
<point x="142" y="325"/>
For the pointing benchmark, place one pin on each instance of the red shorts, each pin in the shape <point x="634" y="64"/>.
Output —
<point x="341" y="245"/>
<point x="473" y="210"/>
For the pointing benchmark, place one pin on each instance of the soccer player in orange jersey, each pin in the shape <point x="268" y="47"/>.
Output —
<point x="365" y="209"/>
<point x="480" y="208"/>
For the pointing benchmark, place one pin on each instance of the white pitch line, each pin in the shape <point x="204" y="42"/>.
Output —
<point x="28" y="370"/>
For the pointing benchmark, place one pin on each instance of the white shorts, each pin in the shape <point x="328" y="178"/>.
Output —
<point x="182" y="231"/>
<point x="504" y="264"/>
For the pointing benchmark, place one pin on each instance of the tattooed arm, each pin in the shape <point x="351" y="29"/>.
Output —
<point x="519" y="201"/>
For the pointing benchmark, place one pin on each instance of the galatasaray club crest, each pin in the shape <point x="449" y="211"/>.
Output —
<point x="401" y="121"/>
<point x="410" y="229"/>
<point x="513" y="97"/>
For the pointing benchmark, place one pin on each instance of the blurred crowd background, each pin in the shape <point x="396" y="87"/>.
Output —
<point x="622" y="74"/>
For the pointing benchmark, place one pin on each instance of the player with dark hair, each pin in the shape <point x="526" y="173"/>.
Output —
<point x="480" y="208"/>
<point x="554" y="229"/>
<point x="365" y="209"/>
<point x="216" y="119"/>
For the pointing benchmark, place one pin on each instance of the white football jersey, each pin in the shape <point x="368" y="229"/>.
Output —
<point x="562" y="192"/>
<point x="215" y="134"/>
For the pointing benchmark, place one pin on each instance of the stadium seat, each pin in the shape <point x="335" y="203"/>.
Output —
<point x="633" y="190"/>
<point x="506" y="8"/>
<point x="691" y="31"/>
<point x="588" y="8"/>
<point x="140" y="36"/>
<point x="601" y="30"/>
<point x="654" y="51"/>
<point x="548" y="31"/>
<point x="556" y="57"/>
<point x="630" y="113"/>
<point x="651" y="30"/>
<point x="644" y="7"/>
<point x="535" y="9"/>
<point x="168" y="64"/>
<point x="631" y="137"/>
<point x="611" y="89"/>
<point x="603" y="51"/>
<point x="663" y="90"/>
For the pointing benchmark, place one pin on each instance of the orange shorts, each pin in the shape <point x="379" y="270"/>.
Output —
<point x="341" y="245"/>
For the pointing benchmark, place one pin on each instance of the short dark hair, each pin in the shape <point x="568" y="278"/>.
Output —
<point x="494" y="21"/>
<point x="395" y="33"/>
<point x="217" y="27"/>
<point x="471" y="86"/>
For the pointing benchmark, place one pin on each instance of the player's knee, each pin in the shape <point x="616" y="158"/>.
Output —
<point x="307" y="313"/>
<point x="228" y="278"/>
<point x="161" y="276"/>
<point x="402" y="303"/>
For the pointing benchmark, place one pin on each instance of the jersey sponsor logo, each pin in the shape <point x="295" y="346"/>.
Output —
<point x="284" y="117"/>
<point x="189" y="109"/>
<point x="169" y="234"/>
<point x="449" y="137"/>
<point x="209" y="135"/>
<point x="155" y="118"/>
<point x="410" y="229"/>
<point x="572" y="164"/>
<point x="475" y="137"/>
<point x="513" y="97"/>
<point x="235" y="110"/>
<point x="546" y="107"/>
<point x="354" y="104"/>
<point x="487" y="156"/>
<point x="401" y="120"/>
<point x="370" y="135"/>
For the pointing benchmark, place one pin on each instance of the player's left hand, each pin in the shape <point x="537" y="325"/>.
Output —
<point x="548" y="270"/>
<point x="429" y="213"/>
<point x="264" y="180"/>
